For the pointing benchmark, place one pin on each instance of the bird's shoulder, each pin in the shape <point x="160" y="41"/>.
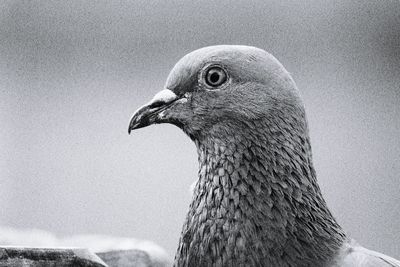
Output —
<point x="354" y="255"/>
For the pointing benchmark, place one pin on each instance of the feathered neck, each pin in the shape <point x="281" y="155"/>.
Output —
<point x="257" y="201"/>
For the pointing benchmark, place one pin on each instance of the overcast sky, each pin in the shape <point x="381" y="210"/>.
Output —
<point x="73" y="72"/>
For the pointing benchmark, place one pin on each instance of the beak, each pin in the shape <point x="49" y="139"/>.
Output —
<point x="149" y="113"/>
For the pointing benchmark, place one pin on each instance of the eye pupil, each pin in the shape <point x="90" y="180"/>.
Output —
<point x="215" y="76"/>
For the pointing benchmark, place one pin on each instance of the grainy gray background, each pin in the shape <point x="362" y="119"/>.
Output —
<point x="72" y="73"/>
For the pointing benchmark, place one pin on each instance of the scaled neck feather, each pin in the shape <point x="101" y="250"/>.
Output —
<point x="257" y="201"/>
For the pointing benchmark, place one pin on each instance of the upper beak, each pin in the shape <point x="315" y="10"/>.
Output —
<point x="149" y="113"/>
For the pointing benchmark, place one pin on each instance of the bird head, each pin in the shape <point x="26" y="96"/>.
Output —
<point x="221" y="88"/>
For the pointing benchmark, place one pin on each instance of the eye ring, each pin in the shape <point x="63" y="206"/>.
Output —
<point x="215" y="76"/>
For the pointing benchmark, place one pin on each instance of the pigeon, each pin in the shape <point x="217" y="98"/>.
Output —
<point x="256" y="201"/>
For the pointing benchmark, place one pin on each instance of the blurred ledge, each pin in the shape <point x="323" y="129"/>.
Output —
<point x="32" y="247"/>
<point x="63" y="257"/>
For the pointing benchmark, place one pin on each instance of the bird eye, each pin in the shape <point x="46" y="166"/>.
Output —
<point x="215" y="76"/>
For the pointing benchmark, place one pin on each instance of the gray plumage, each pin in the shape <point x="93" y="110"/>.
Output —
<point x="256" y="201"/>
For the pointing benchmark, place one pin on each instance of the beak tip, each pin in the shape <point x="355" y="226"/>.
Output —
<point x="132" y="127"/>
<point x="135" y="125"/>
